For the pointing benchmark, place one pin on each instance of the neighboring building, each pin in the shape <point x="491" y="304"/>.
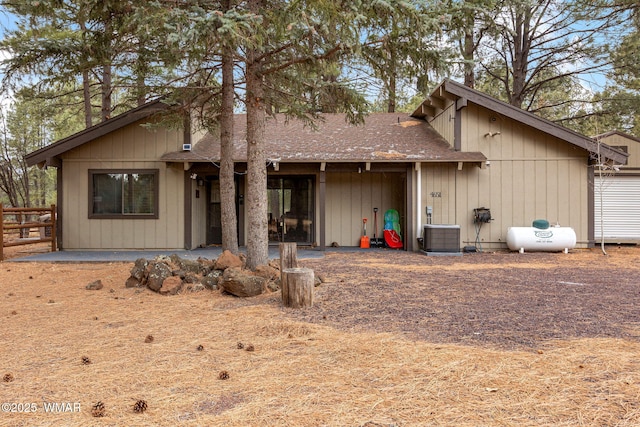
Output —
<point x="125" y="186"/>
<point x="617" y="193"/>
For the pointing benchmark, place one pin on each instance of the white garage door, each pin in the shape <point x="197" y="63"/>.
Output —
<point x="620" y="211"/>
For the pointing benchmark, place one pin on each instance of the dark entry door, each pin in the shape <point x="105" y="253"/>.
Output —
<point x="214" y="210"/>
<point x="214" y="223"/>
<point x="290" y="207"/>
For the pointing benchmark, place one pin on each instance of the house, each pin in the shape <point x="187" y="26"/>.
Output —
<point x="122" y="185"/>
<point x="617" y="193"/>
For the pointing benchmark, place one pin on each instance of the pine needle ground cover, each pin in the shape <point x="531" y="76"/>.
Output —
<point x="393" y="339"/>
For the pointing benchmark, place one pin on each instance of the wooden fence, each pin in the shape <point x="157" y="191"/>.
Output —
<point x="16" y="225"/>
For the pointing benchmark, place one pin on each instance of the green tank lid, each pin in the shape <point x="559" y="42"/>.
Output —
<point x="542" y="224"/>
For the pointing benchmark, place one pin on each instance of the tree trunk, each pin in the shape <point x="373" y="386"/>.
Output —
<point x="256" y="200"/>
<point x="106" y="92"/>
<point x="391" y="106"/>
<point x="86" y="83"/>
<point x="86" y="91"/>
<point x="297" y="287"/>
<point x="229" y="220"/>
<point x="469" y="54"/>
<point x="288" y="256"/>
<point x="521" y="42"/>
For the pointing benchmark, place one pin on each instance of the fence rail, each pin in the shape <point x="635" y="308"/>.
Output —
<point x="16" y="225"/>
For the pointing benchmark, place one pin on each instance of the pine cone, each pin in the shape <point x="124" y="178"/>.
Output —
<point x="249" y="347"/>
<point x="200" y="347"/>
<point x="223" y="375"/>
<point x="86" y="361"/>
<point x="240" y="345"/>
<point x="140" y="406"/>
<point x="7" y="378"/>
<point x="148" y="339"/>
<point x="97" y="410"/>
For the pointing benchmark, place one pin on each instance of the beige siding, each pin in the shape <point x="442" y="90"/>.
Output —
<point x="633" y="148"/>
<point x="198" y="215"/>
<point x="531" y="176"/>
<point x="352" y="196"/>
<point x="439" y="178"/>
<point x="444" y="122"/>
<point x="132" y="147"/>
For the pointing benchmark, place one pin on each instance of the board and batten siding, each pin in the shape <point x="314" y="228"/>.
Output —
<point x="132" y="147"/>
<point x="531" y="175"/>
<point x="351" y="196"/>
<point x="633" y="148"/>
<point x="199" y="211"/>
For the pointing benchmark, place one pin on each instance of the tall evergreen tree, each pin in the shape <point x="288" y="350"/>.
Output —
<point x="536" y="43"/>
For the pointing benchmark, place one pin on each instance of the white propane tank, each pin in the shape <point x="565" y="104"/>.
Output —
<point x="552" y="239"/>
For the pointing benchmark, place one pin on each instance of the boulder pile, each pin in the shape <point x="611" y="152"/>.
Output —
<point x="169" y="275"/>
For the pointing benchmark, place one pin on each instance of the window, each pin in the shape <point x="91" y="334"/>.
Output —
<point x="123" y="193"/>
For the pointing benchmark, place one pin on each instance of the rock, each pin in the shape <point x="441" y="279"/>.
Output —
<point x="132" y="282"/>
<point x="139" y="268"/>
<point x="228" y="260"/>
<point x="159" y="272"/>
<point x="211" y="280"/>
<point x="242" y="283"/>
<point x="138" y="273"/>
<point x="186" y="265"/>
<point x="95" y="286"/>
<point x="192" y="277"/>
<point x="267" y="271"/>
<point x="171" y="285"/>
<point x="206" y="265"/>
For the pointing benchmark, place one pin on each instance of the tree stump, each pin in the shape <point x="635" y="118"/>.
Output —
<point x="297" y="287"/>
<point x="288" y="256"/>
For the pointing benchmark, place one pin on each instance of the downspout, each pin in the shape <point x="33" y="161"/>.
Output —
<point x="418" y="168"/>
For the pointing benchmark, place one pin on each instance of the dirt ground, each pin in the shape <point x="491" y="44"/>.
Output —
<point x="393" y="339"/>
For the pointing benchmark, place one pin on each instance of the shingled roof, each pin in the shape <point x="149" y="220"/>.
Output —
<point x="385" y="137"/>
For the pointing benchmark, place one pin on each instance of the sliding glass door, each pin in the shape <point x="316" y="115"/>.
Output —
<point x="290" y="209"/>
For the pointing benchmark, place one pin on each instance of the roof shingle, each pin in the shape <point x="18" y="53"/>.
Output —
<point x="385" y="137"/>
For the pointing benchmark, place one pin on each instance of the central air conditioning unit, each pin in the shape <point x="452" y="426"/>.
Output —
<point x="441" y="238"/>
<point x="186" y="147"/>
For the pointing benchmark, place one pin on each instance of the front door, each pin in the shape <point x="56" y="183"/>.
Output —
<point x="290" y="204"/>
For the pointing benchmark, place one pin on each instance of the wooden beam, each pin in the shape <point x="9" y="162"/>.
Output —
<point x="428" y="110"/>
<point x="437" y="102"/>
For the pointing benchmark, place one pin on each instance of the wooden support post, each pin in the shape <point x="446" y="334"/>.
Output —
<point x="288" y="256"/>
<point x="297" y="287"/>
<point x="1" y="233"/>
<point x="54" y="238"/>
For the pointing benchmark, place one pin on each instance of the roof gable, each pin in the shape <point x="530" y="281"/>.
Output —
<point x="622" y="135"/>
<point x="47" y="154"/>
<point x="461" y="94"/>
